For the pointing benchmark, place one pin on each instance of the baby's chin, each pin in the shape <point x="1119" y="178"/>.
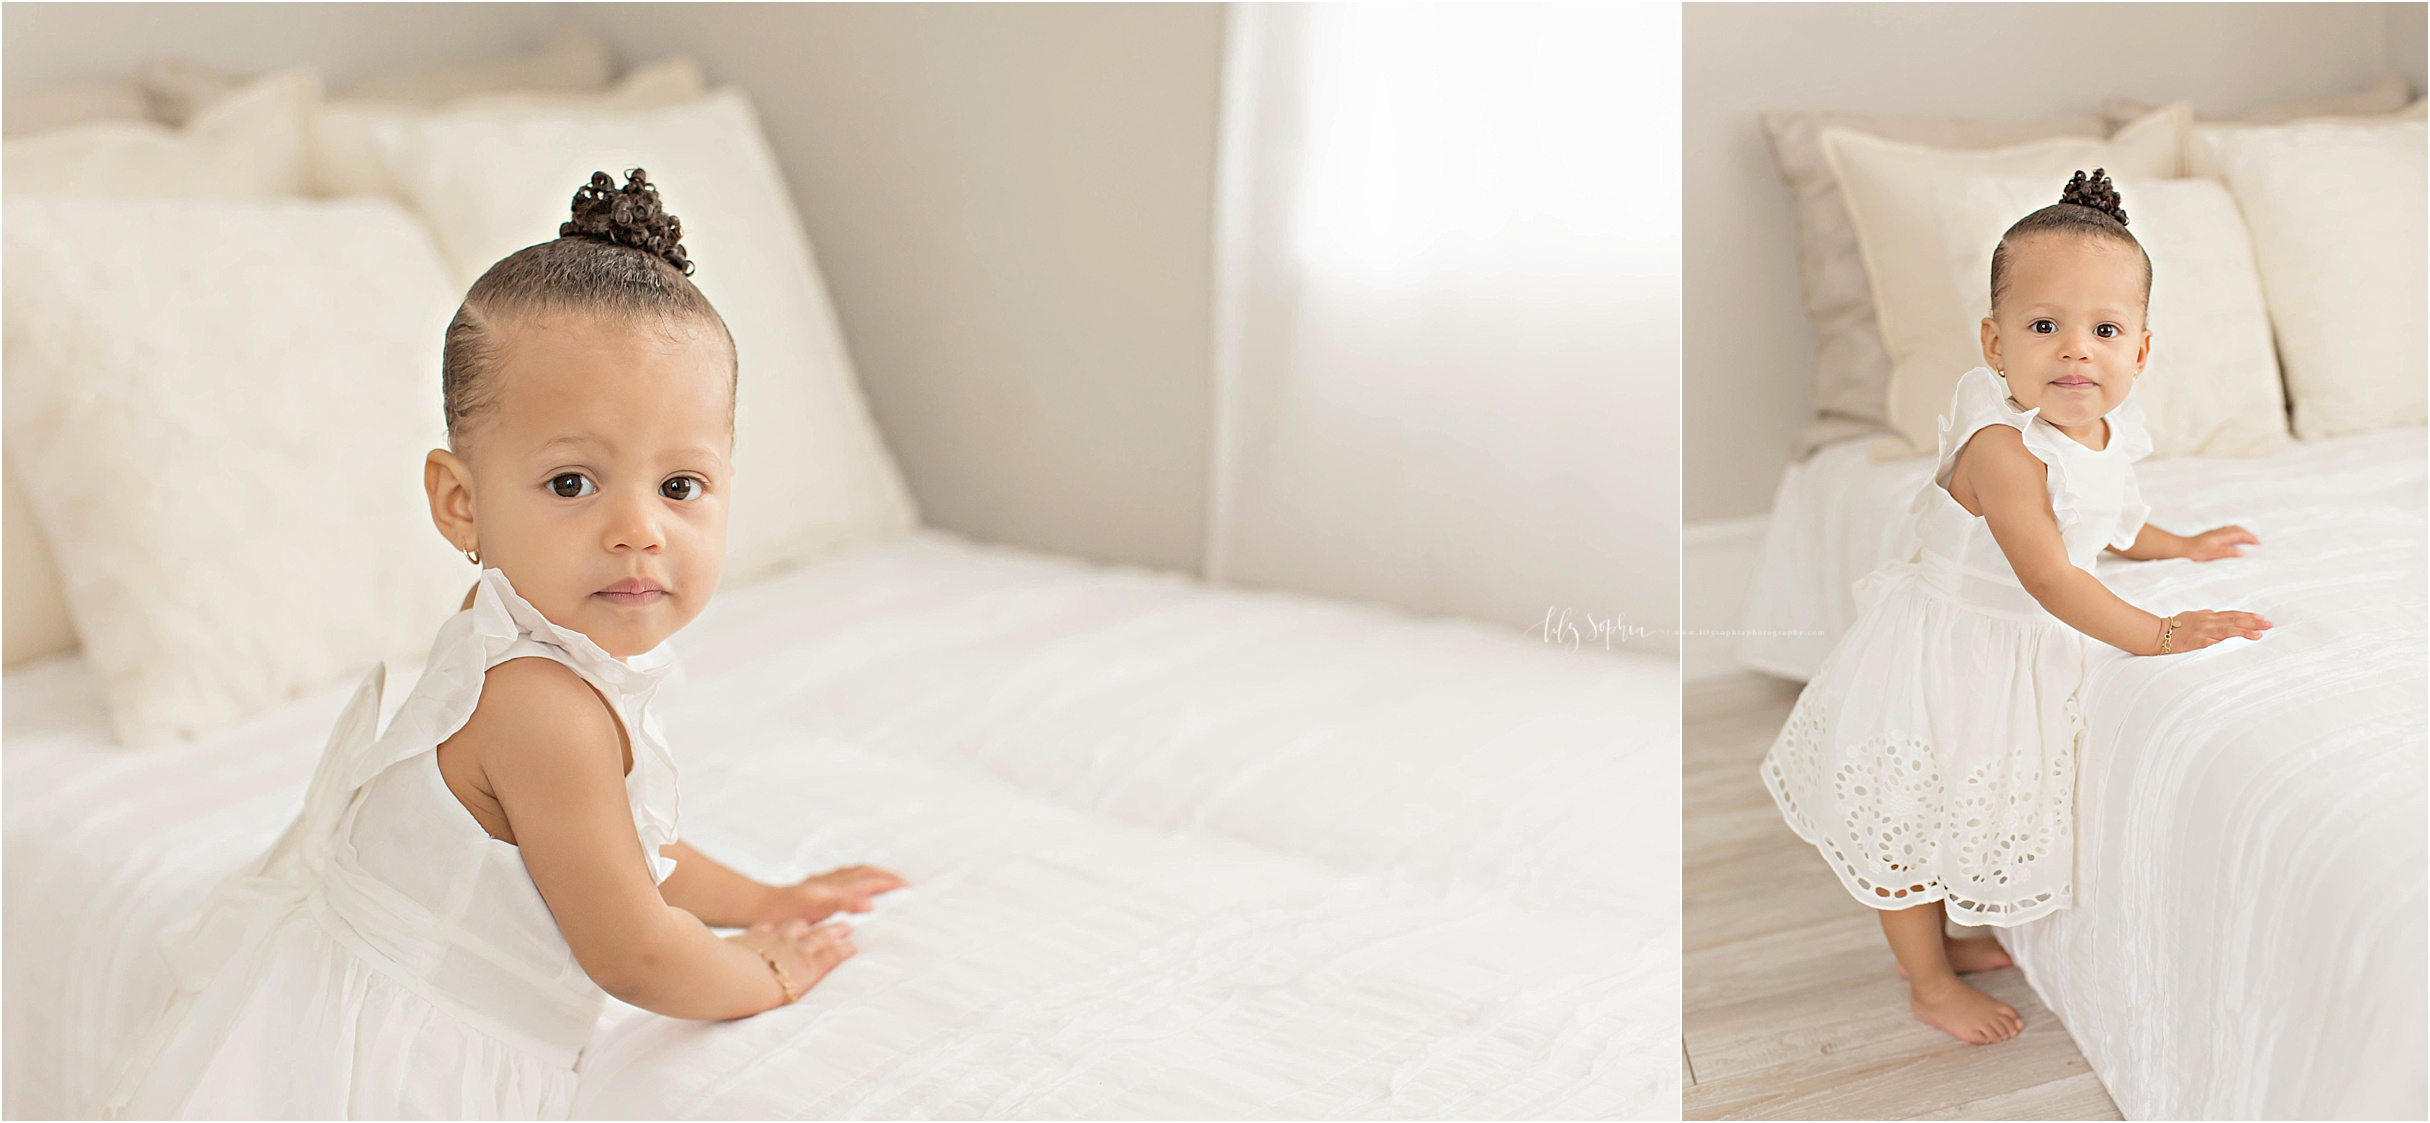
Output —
<point x="621" y="630"/>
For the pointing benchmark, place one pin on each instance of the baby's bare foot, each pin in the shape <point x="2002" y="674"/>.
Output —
<point x="1972" y="953"/>
<point x="1963" y="1012"/>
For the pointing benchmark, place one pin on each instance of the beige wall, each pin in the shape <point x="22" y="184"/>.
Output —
<point x="1012" y="205"/>
<point x="42" y="44"/>
<point x="1748" y="347"/>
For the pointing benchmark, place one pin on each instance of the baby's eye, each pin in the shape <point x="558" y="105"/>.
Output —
<point x="572" y="485"/>
<point x="681" y="488"/>
<point x="2042" y="327"/>
<point x="2107" y="331"/>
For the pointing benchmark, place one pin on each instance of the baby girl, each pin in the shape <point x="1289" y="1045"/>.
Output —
<point x="438" y="932"/>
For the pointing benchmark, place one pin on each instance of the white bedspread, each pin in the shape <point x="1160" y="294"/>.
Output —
<point x="2249" y="935"/>
<point x="1176" y="852"/>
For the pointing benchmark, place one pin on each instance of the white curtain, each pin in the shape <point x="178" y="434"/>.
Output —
<point x="1447" y="358"/>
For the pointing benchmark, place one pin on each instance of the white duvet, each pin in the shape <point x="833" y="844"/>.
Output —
<point x="2248" y="940"/>
<point x="1176" y="852"/>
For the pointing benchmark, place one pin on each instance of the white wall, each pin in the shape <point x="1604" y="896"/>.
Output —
<point x="1748" y="365"/>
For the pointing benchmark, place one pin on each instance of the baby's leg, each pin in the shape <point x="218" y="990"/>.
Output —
<point x="1919" y="938"/>
<point x="1969" y="954"/>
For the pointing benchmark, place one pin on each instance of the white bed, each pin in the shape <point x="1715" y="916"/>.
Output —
<point x="2249" y="937"/>
<point x="1176" y="852"/>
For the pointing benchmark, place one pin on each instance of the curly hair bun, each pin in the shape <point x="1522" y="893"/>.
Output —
<point x="2096" y="192"/>
<point x="630" y="215"/>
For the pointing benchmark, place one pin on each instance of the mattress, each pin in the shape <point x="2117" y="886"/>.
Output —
<point x="2248" y="939"/>
<point x="1175" y="851"/>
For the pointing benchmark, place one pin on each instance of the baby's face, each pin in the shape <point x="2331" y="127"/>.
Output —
<point x="2069" y="332"/>
<point x="603" y="468"/>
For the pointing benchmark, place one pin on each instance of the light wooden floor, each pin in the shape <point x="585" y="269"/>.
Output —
<point x="1793" y="1006"/>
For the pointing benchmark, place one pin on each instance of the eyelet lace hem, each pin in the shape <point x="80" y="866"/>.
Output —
<point x="1906" y="837"/>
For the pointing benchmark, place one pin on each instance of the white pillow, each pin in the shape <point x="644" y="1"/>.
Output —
<point x="345" y="160"/>
<point x="250" y="146"/>
<point x="2336" y="212"/>
<point x="2211" y="386"/>
<point x="1889" y="188"/>
<point x="220" y="411"/>
<point x="812" y="474"/>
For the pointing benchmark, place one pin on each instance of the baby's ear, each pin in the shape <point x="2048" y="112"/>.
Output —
<point x="447" y="481"/>
<point x="1991" y="343"/>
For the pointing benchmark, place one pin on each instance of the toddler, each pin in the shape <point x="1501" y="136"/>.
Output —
<point x="436" y="934"/>
<point x="1932" y="760"/>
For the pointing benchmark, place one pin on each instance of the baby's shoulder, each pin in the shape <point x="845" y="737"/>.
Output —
<point x="542" y="710"/>
<point x="1997" y="448"/>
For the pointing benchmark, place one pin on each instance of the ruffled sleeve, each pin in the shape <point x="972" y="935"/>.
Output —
<point x="2126" y="424"/>
<point x="1980" y="401"/>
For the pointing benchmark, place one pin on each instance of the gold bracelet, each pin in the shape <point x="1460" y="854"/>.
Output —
<point x="782" y="982"/>
<point x="2167" y="634"/>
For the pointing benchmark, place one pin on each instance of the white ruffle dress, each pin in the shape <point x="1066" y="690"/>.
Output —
<point x="1933" y="756"/>
<point x="387" y="957"/>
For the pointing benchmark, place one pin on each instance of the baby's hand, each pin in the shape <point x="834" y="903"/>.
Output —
<point x="2201" y="628"/>
<point x="846" y="890"/>
<point x="806" y="952"/>
<point x="2218" y="543"/>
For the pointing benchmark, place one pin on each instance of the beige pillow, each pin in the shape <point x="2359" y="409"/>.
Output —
<point x="250" y="146"/>
<point x="345" y="159"/>
<point x="1889" y="187"/>
<point x="572" y="59"/>
<point x="2387" y="93"/>
<point x="1851" y="364"/>
<point x="220" y="410"/>
<point x="811" y="473"/>
<point x="2336" y="212"/>
<point x="2211" y="385"/>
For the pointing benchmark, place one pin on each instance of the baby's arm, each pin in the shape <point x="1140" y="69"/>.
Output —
<point x="705" y="888"/>
<point x="2153" y="543"/>
<point x="550" y="751"/>
<point x="2011" y="485"/>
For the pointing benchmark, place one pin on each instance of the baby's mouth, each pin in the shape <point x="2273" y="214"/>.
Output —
<point x="2074" y="382"/>
<point x="633" y="591"/>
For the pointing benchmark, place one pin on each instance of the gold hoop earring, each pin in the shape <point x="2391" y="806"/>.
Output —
<point x="473" y="555"/>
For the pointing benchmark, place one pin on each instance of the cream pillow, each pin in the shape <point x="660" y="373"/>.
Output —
<point x="1851" y="365"/>
<point x="250" y="146"/>
<point x="1889" y="187"/>
<point x="2200" y="151"/>
<point x="811" y="473"/>
<point x="220" y="411"/>
<point x="2336" y="214"/>
<point x="2211" y="385"/>
<point x="345" y="160"/>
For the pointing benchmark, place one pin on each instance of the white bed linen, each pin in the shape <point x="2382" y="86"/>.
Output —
<point x="2248" y="939"/>
<point x="1176" y="852"/>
